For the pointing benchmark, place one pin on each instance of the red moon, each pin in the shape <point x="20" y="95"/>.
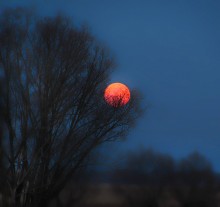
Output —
<point x="117" y="94"/>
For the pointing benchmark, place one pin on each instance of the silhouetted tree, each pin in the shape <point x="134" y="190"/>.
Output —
<point x="54" y="113"/>
<point x="2" y="167"/>
<point x="150" y="172"/>
<point x="146" y="167"/>
<point x="196" y="173"/>
<point x="196" y="170"/>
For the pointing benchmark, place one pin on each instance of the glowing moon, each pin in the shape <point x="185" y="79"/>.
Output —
<point x="117" y="94"/>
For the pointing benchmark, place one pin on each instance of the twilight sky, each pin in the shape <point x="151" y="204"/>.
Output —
<point x="170" y="50"/>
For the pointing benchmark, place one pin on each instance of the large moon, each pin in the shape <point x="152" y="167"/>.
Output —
<point x="117" y="94"/>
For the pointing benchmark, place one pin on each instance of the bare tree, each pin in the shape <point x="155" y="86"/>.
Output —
<point x="54" y="113"/>
<point x="2" y="169"/>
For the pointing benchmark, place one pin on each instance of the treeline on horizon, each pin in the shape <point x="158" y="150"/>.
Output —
<point x="149" y="178"/>
<point x="153" y="179"/>
<point x="151" y="167"/>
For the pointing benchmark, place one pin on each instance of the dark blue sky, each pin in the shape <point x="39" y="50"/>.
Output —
<point x="170" y="50"/>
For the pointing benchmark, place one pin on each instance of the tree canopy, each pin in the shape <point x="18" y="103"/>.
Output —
<point x="53" y="77"/>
